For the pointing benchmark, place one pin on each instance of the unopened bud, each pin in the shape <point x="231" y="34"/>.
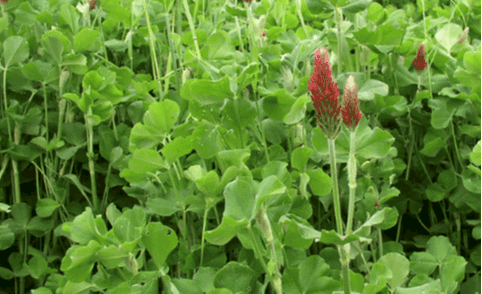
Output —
<point x="131" y="263"/>
<point x="464" y="36"/>
<point x="63" y="78"/>
<point x="350" y="111"/>
<point x="288" y="79"/>
<point x="187" y="74"/>
<point x="338" y="15"/>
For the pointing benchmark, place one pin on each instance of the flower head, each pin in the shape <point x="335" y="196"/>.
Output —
<point x="92" y="4"/>
<point x="324" y="94"/>
<point x="419" y="62"/>
<point x="3" y="1"/>
<point x="350" y="111"/>
<point x="464" y="35"/>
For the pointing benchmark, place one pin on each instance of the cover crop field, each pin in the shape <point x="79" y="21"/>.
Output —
<point x="240" y="147"/>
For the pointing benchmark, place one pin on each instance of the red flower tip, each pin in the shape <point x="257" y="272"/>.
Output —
<point x="350" y="111"/>
<point x="3" y="1"/>
<point x="264" y="34"/>
<point x="248" y="1"/>
<point x="377" y="205"/>
<point x="324" y="94"/>
<point x="464" y="35"/>
<point x="419" y="62"/>
<point x="92" y="4"/>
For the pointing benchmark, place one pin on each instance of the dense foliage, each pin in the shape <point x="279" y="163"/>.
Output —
<point x="158" y="146"/>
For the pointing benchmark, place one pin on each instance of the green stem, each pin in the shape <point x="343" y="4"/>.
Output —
<point x="380" y="242"/>
<point x="410" y="150"/>
<point x="191" y="27"/>
<point x="152" y="49"/>
<point x="356" y="244"/>
<point x="345" y="267"/>
<point x="357" y="48"/>
<point x="261" y="259"/>
<point x="426" y="38"/>
<point x="173" y="57"/>
<point x="265" y="227"/>
<point x="46" y="112"/>
<point x="455" y="144"/>
<point x="300" y="15"/>
<point x="399" y="228"/>
<point x="184" y="222"/>
<point x="202" y="238"/>
<point x="334" y="185"/>
<point x="265" y="145"/>
<point x="90" y="155"/>
<point x="338" y="19"/>
<point x="351" y="182"/>
<point x="394" y="72"/>
<point x="422" y="224"/>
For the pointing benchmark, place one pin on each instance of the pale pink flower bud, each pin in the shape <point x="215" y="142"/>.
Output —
<point x="350" y="111"/>
<point x="464" y="35"/>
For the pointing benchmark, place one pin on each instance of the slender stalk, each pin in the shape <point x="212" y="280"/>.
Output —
<point x="357" y="47"/>
<point x="338" y="19"/>
<point x="390" y="57"/>
<point x="380" y="242"/>
<point x="399" y="228"/>
<point x="426" y="38"/>
<point x="410" y="150"/>
<point x="152" y="48"/>
<point x="90" y="155"/>
<point x="334" y="185"/>
<point x="345" y="267"/>
<point x="265" y="227"/>
<point x="191" y="27"/>
<point x="184" y="222"/>
<point x="351" y="183"/>
<point x="300" y="15"/>
<point x="455" y="144"/>
<point x="265" y="145"/>
<point x="202" y="238"/>
<point x="263" y="263"/>
<point x="343" y="250"/>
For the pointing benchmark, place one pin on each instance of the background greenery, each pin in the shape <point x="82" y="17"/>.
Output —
<point x="135" y="157"/>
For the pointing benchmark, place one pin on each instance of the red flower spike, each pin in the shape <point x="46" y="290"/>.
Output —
<point x="464" y="35"/>
<point x="92" y="4"/>
<point x="3" y="1"/>
<point x="419" y="62"/>
<point x="324" y="94"/>
<point x="350" y="112"/>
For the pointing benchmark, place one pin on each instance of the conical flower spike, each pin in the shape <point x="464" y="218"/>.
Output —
<point x="350" y="111"/>
<point x="419" y="62"/>
<point x="464" y="35"/>
<point x="324" y="94"/>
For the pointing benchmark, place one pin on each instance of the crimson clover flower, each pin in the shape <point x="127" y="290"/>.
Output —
<point x="92" y="4"/>
<point x="419" y="62"/>
<point x="464" y="35"/>
<point x="324" y="94"/>
<point x="350" y="111"/>
<point x="3" y="1"/>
